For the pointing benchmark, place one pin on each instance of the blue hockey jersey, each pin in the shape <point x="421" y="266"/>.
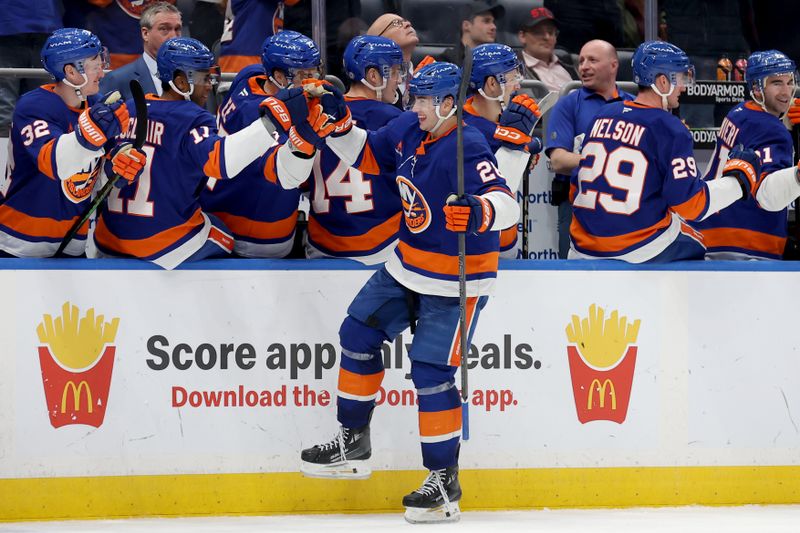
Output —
<point x="261" y="214"/>
<point x="744" y="229"/>
<point x="426" y="257"/>
<point x="159" y="217"/>
<point x="636" y="184"/>
<point x="39" y="199"/>
<point x="354" y="214"/>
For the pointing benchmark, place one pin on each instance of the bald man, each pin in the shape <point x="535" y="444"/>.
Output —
<point x="398" y="29"/>
<point x="571" y="117"/>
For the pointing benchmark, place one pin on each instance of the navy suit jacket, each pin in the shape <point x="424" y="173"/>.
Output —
<point x="119" y="79"/>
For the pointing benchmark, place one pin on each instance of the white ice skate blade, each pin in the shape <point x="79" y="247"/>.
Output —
<point x="443" y="513"/>
<point x="346" y="470"/>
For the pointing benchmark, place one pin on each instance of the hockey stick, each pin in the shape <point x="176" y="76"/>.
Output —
<point x="544" y="104"/>
<point x="796" y="143"/>
<point x="140" y="134"/>
<point x="466" y="72"/>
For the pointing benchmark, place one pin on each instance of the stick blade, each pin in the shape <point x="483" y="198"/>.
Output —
<point x="140" y="104"/>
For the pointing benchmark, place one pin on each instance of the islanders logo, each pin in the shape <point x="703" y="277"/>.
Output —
<point x="602" y="358"/>
<point x="79" y="186"/>
<point x="415" y="208"/>
<point x="76" y="356"/>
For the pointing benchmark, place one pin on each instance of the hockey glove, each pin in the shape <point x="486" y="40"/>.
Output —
<point x="517" y="122"/>
<point x="745" y="166"/>
<point x="125" y="161"/>
<point x="306" y="136"/>
<point x="287" y="107"/>
<point x="469" y="213"/>
<point x="105" y="119"/>
<point x="333" y="104"/>
<point x="794" y="112"/>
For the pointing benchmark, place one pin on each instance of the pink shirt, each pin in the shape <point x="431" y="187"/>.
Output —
<point x="551" y="74"/>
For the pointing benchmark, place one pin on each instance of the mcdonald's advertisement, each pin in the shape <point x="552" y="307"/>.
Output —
<point x="233" y="371"/>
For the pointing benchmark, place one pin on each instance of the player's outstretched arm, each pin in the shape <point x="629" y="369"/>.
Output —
<point x="779" y="189"/>
<point x="739" y="180"/>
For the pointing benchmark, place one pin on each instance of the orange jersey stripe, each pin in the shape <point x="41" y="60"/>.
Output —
<point x="45" y="159"/>
<point x="455" y="349"/>
<point x="236" y="63"/>
<point x="692" y="208"/>
<point x="271" y="168"/>
<point x="120" y="60"/>
<point x="508" y="236"/>
<point x="360" y="384"/>
<point x="744" y="238"/>
<point x="356" y="243"/>
<point x="369" y="165"/>
<point x="259" y="230"/>
<point x="615" y="243"/>
<point x="149" y="245"/>
<point x="37" y="226"/>
<point x="439" y="422"/>
<point x="212" y="168"/>
<point x="447" y="264"/>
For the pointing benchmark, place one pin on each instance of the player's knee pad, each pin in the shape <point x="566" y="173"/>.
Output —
<point x="359" y="340"/>
<point x="429" y="375"/>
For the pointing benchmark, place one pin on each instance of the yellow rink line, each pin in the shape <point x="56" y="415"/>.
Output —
<point x="275" y="493"/>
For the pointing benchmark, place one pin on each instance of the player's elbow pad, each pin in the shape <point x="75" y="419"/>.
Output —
<point x="349" y="146"/>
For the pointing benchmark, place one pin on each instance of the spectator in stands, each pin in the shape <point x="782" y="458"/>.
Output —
<point x="249" y="23"/>
<point x="478" y="26"/>
<point x="159" y="22"/>
<point x="581" y="21"/>
<point x="24" y="27"/>
<point x="207" y="21"/>
<point x="117" y="26"/>
<point x="538" y="35"/>
<point x="401" y="31"/>
<point x="571" y="117"/>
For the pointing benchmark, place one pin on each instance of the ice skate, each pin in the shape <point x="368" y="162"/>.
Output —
<point x="344" y="456"/>
<point x="436" y="500"/>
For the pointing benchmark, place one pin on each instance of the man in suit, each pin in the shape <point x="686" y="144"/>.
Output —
<point x="159" y="22"/>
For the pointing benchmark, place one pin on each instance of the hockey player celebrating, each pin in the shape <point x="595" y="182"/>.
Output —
<point x="160" y="219"/>
<point x="638" y="181"/>
<point x="496" y="75"/>
<point x="757" y="227"/>
<point x="60" y="135"/>
<point x="356" y="214"/>
<point x="261" y="214"/>
<point x="419" y="283"/>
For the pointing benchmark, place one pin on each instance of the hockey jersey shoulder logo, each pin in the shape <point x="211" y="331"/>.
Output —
<point x="416" y="212"/>
<point x="79" y="186"/>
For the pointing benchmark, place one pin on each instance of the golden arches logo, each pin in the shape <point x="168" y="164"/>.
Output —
<point x="76" y="355"/>
<point x="602" y="359"/>
<point x="601" y="391"/>
<point x="76" y="396"/>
